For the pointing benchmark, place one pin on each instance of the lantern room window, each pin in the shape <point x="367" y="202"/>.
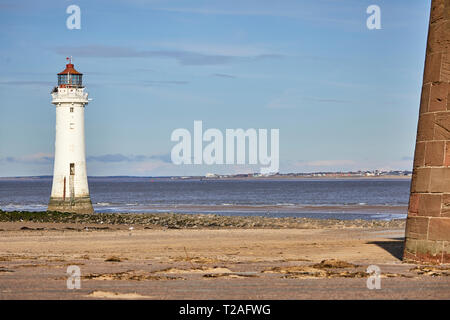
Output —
<point x="70" y="80"/>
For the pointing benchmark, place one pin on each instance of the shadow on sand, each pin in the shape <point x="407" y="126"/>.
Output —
<point x="394" y="246"/>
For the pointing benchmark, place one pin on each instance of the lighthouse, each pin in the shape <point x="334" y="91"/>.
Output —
<point x="427" y="234"/>
<point x="70" y="191"/>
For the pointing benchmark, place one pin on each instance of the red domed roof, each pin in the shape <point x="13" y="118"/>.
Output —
<point x="69" y="70"/>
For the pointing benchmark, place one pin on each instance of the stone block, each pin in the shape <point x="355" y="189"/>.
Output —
<point x="448" y="100"/>
<point x="425" y="129"/>
<point x="445" y="209"/>
<point x="420" y="180"/>
<point x="446" y="9"/>
<point x="429" y="251"/>
<point x="439" y="229"/>
<point x="447" y="154"/>
<point x="419" y="154"/>
<point x="417" y="227"/>
<point x="437" y="12"/>
<point x="446" y="252"/>
<point x="438" y="96"/>
<point x="425" y="98"/>
<point x="434" y="153"/>
<point x="411" y="245"/>
<point x="442" y="126"/>
<point x="445" y="67"/>
<point x="431" y="247"/>
<point x="438" y="37"/>
<point x="429" y="205"/>
<point x="440" y="180"/>
<point x="432" y="73"/>
<point x="413" y="207"/>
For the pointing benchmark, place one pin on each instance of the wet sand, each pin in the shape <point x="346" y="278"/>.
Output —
<point x="141" y="261"/>
<point x="287" y="209"/>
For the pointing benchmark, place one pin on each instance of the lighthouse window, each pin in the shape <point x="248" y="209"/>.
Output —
<point x="70" y="79"/>
<point x="72" y="169"/>
<point x="71" y="109"/>
<point x="62" y="79"/>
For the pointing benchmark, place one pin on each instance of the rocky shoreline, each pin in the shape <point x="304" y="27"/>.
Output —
<point x="193" y="221"/>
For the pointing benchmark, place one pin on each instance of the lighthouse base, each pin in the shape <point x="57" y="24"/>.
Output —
<point x="76" y="205"/>
<point x="426" y="251"/>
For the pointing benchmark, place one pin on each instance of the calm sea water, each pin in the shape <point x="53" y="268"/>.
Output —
<point x="342" y="199"/>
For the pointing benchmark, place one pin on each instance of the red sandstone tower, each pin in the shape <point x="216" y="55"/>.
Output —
<point x="428" y="223"/>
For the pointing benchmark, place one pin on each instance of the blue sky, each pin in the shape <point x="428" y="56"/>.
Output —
<point x="344" y="97"/>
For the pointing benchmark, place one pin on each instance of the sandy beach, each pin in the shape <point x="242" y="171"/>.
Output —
<point x="132" y="258"/>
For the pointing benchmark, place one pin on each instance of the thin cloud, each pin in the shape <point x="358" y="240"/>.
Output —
<point x="118" y="157"/>
<point x="223" y="75"/>
<point x="214" y="48"/>
<point x="161" y="83"/>
<point x="330" y="100"/>
<point x="11" y="7"/>
<point x="211" y="11"/>
<point x="182" y="57"/>
<point x="27" y="83"/>
<point x="37" y="158"/>
<point x="45" y="158"/>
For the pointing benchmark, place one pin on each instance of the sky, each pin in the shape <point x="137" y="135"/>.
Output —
<point x="343" y="97"/>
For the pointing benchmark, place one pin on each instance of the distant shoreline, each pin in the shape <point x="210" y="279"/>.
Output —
<point x="386" y="177"/>
<point x="276" y="177"/>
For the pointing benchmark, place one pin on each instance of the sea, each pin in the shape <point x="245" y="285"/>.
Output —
<point x="368" y="199"/>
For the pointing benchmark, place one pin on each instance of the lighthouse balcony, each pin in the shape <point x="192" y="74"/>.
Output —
<point x="69" y="95"/>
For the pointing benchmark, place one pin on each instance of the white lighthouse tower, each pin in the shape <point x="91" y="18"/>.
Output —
<point x="70" y="191"/>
